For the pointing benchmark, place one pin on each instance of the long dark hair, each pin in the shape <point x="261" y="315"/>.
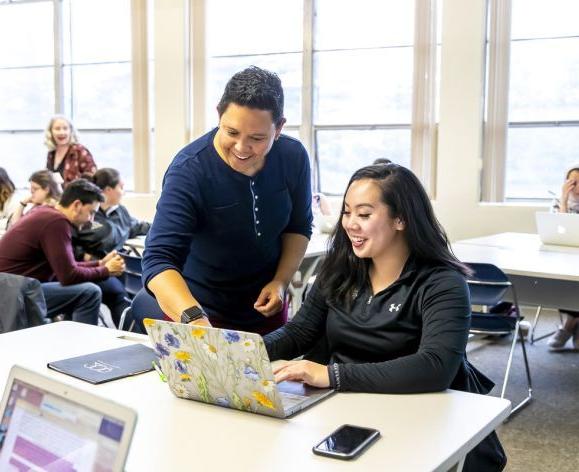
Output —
<point x="6" y="187"/>
<point x="342" y="273"/>
<point x="46" y="181"/>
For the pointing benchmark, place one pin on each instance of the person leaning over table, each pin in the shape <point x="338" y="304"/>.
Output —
<point x="568" y="203"/>
<point x="67" y="159"/>
<point x="234" y="217"/>
<point x="390" y="303"/>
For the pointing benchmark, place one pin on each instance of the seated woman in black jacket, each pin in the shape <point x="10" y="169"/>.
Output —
<point x="390" y="310"/>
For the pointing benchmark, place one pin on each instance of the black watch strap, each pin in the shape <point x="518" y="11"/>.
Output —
<point x="192" y="313"/>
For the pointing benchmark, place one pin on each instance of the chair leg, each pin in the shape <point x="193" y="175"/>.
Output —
<point x="532" y="337"/>
<point x="123" y="316"/>
<point x="529" y="396"/>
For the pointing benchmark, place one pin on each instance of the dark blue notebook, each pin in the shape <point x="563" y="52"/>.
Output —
<point x="105" y="366"/>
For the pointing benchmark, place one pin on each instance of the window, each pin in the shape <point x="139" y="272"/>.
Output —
<point x="536" y="116"/>
<point x="79" y="64"/>
<point x="349" y="95"/>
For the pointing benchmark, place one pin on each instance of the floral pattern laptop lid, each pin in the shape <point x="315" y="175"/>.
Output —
<point x="217" y="366"/>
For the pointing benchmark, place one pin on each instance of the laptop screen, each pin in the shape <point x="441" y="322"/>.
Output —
<point x="42" y="431"/>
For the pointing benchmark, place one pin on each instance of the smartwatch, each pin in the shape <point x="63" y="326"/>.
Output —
<point x="192" y="313"/>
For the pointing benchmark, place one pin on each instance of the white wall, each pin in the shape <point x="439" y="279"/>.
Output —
<point x="460" y="130"/>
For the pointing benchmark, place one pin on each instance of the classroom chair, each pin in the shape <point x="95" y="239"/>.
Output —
<point x="488" y="286"/>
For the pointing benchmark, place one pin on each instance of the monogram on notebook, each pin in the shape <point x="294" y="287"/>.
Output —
<point x="99" y="366"/>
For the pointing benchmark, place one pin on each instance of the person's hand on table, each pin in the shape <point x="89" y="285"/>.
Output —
<point x="270" y="299"/>
<point x="307" y="372"/>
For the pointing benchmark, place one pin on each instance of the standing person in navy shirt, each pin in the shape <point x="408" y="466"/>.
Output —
<point x="234" y="218"/>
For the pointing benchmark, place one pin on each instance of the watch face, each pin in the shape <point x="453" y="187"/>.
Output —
<point x="191" y="314"/>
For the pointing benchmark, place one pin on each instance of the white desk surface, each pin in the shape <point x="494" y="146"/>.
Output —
<point x="316" y="247"/>
<point x="521" y="254"/>
<point x="419" y="432"/>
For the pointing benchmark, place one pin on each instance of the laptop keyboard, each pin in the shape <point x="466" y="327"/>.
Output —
<point x="289" y="400"/>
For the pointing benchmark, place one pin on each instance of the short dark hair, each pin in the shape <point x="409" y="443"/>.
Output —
<point x="6" y="187"/>
<point x="381" y="160"/>
<point x="254" y="88"/>
<point x="342" y="273"/>
<point x="83" y="190"/>
<point x="106" y="177"/>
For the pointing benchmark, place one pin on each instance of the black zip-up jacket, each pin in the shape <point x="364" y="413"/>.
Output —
<point x="108" y="231"/>
<point x="408" y="338"/>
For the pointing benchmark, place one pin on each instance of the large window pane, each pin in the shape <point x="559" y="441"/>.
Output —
<point x="113" y="149"/>
<point x="26" y="97"/>
<point x="363" y="86"/>
<point x="340" y="153"/>
<point x="22" y="154"/>
<point x="544" y="19"/>
<point x="26" y="34"/>
<point x="538" y="160"/>
<point x="254" y="27"/>
<point x="287" y="66"/>
<point x="96" y="31"/>
<point x="343" y="24"/>
<point x="544" y="82"/>
<point x="100" y="95"/>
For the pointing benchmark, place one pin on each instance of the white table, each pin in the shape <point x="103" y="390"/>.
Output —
<point x="543" y="275"/>
<point x="419" y="432"/>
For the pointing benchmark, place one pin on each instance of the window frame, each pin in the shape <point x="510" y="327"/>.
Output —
<point x="422" y="126"/>
<point x="140" y="130"/>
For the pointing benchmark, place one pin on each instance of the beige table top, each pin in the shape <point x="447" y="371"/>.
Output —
<point x="419" y="432"/>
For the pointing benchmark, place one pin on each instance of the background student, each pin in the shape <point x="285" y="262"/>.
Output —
<point x="569" y="203"/>
<point x="44" y="190"/>
<point x="234" y="217"/>
<point x="67" y="158"/>
<point x="112" y="224"/>
<point x="8" y="200"/>
<point x="390" y="302"/>
<point x="40" y="246"/>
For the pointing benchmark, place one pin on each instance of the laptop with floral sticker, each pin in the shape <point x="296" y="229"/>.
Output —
<point x="225" y="368"/>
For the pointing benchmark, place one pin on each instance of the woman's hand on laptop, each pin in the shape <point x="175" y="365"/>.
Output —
<point x="307" y="372"/>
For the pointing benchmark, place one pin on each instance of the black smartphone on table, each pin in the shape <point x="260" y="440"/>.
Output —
<point x="347" y="442"/>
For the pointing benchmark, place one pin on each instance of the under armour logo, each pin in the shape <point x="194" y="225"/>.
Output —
<point x="394" y="307"/>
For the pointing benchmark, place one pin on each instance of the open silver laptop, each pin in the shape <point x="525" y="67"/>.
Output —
<point x="48" y="425"/>
<point x="558" y="228"/>
<point x="226" y="368"/>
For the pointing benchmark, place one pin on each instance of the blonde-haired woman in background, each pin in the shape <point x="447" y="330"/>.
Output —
<point x="66" y="158"/>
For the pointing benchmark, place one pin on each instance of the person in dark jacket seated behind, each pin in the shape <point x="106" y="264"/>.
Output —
<point x="112" y="224"/>
<point x="390" y="309"/>
<point x="39" y="246"/>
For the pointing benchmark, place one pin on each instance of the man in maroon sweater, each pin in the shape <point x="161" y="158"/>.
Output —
<point x="39" y="246"/>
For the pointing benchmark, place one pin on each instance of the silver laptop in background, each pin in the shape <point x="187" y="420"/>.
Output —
<point x="48" y="425"/>
<point x="558" y="228"/>
<point x="226" y="368"/>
